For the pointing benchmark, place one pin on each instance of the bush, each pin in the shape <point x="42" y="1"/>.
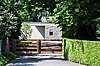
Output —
<point x="82" y="51"/>
<point x="4" y="59"/>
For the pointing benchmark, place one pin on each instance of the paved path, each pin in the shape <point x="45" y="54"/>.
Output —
<point x="41" y="60"/>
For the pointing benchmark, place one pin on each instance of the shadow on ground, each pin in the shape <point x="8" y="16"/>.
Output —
<point x="41" y="60"/>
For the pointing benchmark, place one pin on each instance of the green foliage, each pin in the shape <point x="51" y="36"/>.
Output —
<point x="98" y="28"/>
<point x="25" y="42"/>
<point x="51" y="19"/>
<point x="82" y="51"/>
<point x="9" y="20"/>
<point x="4" y="59"/>
<point x="24" y="15"/>
<point x="77" y="18"/>
<point x="25" y="30"/>
<point x="36" y="9"/>
<point x="22" y="12"/>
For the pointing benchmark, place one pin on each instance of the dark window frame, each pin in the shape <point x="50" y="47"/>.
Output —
<point x="51" y="32"/>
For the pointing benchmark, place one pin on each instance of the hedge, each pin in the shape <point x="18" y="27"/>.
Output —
<point x="82" y="51"/>
<point x="5" y="58"/>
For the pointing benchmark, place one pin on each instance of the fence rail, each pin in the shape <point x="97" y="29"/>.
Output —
<point x="44" y="46"/>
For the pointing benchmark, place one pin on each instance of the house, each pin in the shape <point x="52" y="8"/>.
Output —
<point x="45" y="30"/>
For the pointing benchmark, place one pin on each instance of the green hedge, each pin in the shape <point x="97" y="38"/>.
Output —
<point x="25" y="42"/>
<point x="82" y="51"/>
<point x="5" y="58"/>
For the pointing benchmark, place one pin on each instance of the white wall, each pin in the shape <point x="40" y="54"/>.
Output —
<point x="40" y="30"/>
<point x="37" y="32"/>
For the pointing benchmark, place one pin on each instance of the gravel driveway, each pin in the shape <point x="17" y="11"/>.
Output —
<point x="41" y="60"/>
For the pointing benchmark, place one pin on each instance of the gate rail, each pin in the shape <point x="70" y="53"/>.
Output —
<point x="44" y="46"/>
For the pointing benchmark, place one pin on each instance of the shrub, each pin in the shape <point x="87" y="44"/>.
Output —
<point x="4" y="59"/>
<point x="82" y="51"/>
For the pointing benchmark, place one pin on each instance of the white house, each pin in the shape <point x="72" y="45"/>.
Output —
<point x="45" y="30"/>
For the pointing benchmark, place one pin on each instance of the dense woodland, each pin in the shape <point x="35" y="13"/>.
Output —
<point x="79" y="19"/>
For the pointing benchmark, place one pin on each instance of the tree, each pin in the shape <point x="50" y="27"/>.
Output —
<point x="77" y="18"/>
<point x="22" y="12"/>
<point x="37" y="8"/>
<point x="9" y="21"/>
<point x="98" y="28"/>
<point x="25" y="31"/>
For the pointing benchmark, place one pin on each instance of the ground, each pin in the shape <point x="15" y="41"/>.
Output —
<point x="41" y="60"/>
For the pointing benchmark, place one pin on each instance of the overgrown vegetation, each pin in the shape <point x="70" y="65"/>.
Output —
<point x="78" y="18"/>
<point x="10" y="22"/>
<point x="4" y="59"/>
<point x="82" y="51"/>
<point x="33" y="10"/>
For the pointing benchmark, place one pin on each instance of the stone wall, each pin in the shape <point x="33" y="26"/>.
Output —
<point x="56" y="32"/>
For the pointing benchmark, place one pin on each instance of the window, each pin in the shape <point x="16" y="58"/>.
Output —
<point x="51" y="32"/>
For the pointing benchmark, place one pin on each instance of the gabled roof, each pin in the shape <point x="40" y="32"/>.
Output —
<point x="42" y="24"/>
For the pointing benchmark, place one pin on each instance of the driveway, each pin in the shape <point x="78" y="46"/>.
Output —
<point x="41" y="60"/>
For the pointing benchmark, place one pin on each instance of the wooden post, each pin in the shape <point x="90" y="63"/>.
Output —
<point x="15" y="45"/>
<point x="0" y="45"/>
<point x="64" y="47"/>
<point x="8" y="45"/>
<point x="39" y="46"/>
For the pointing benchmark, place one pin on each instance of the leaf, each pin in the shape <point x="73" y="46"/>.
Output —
<point x="77" y="10"/>
<point x="29" y="0"/>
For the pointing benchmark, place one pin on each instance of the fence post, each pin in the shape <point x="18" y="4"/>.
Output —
<point x="64" y="47"/>
<point x="7" y="45"/>
<point x="39" y="46"/>
<point x="15" y="45"/>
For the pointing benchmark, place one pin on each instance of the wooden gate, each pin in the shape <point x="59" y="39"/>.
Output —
<point x="43" y="46"/>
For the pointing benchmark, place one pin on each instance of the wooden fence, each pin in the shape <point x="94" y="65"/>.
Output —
<point x="43" y="46"/>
